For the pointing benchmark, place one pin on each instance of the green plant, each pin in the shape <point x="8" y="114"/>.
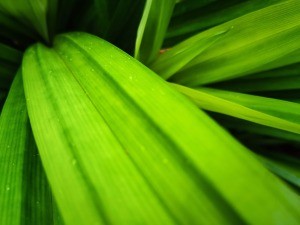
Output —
<point x="90" y="134"/>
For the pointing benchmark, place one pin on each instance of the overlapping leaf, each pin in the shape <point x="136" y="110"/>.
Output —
<point x="34" y="14"/>
<point x="152" y="29"/>
<point x="9" y="61"/>
<point x="191" y="17"/>
<point x="280" y="79"/>
<point x="173" y="60"/>
<point x="250" y="46"/>
<point x="25" y="197"/>
<point x="107" y="129"/>
<point x="266" y="111"/>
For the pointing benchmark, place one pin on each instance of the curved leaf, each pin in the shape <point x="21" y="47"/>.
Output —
<point x="250" y="46"/>
<point x="266" y="111"/>
<point x="25" y="196"/>
<point x="152" y="29"/>
<point x="107" y="129"/>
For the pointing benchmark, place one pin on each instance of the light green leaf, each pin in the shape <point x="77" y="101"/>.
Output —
<point x="250" y="46"/>
<point x="107" y="129"/>
<point x="173" y="60"/>
<point x="152" y="29"/>
<point x="266" y="111"/>
<point x="25" y="197"/>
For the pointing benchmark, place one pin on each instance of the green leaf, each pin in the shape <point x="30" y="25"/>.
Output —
<point x="262" y="130"/>
<point x="286" y="167"/>
<point x="152" y="29"/>
<point x="266" y="111"/>
<point x="205" y="14"/>
<point x="173" y="60"/>
<point x="24" y="191"/>
<point x="12" y="29"/>
<point x="283" y="78"/>
<point x="107" y="130"/>
<point x="32" y="13"/>
<point x="250" y="46"/>
<point x="10" y="59"/>
<point x="9" y="54"/>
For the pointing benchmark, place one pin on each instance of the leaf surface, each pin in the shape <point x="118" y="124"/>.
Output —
<point x="111" y="142"/>
<point x="249" y="47"/>
<point x="266" y="111"/>
<point x="25" y="196"/>
<point x="152" y="29"/>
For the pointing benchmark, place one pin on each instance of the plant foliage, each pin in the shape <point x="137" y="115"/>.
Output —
<point x="149" y="112"/>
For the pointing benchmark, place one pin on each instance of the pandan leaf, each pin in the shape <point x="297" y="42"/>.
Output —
<point x="286" y="167"/>
<point x="250" y="46"/>
<point x="107" y="130"/>
<point x="253" y="128"/>
<point x="152" y="29"/>
<point x="173" y="60"/>
<point x="10" y="59"/>
<point x="266" y="111"/>
<point x="25" y="197"/>
<point x="202" y="15"/>
<point x="280" y="79"/>
<point x="32" y="13"/>
<point x="9" y="54"/>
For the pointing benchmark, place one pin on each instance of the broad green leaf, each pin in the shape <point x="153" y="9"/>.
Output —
<point x="111" y="143"/>
<point x="25" y="197"/>
<point x="173" y="60"/>
<point x="250" y="46"/>
<point x="266" y="111"/>
<point x="152" y="29"/>
<point x="30" y="12"/>
<point x="212" y="13"/>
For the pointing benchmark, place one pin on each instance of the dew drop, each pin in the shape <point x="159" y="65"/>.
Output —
<point x="7" y="188"/>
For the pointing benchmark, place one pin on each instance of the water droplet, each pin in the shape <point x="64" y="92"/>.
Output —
<point x="37" y="202"/>
<point x="8" y="146"/>
<point x="130" y="78"/>
<point x="7" y="188"/>
<point x="92" y="70"/>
